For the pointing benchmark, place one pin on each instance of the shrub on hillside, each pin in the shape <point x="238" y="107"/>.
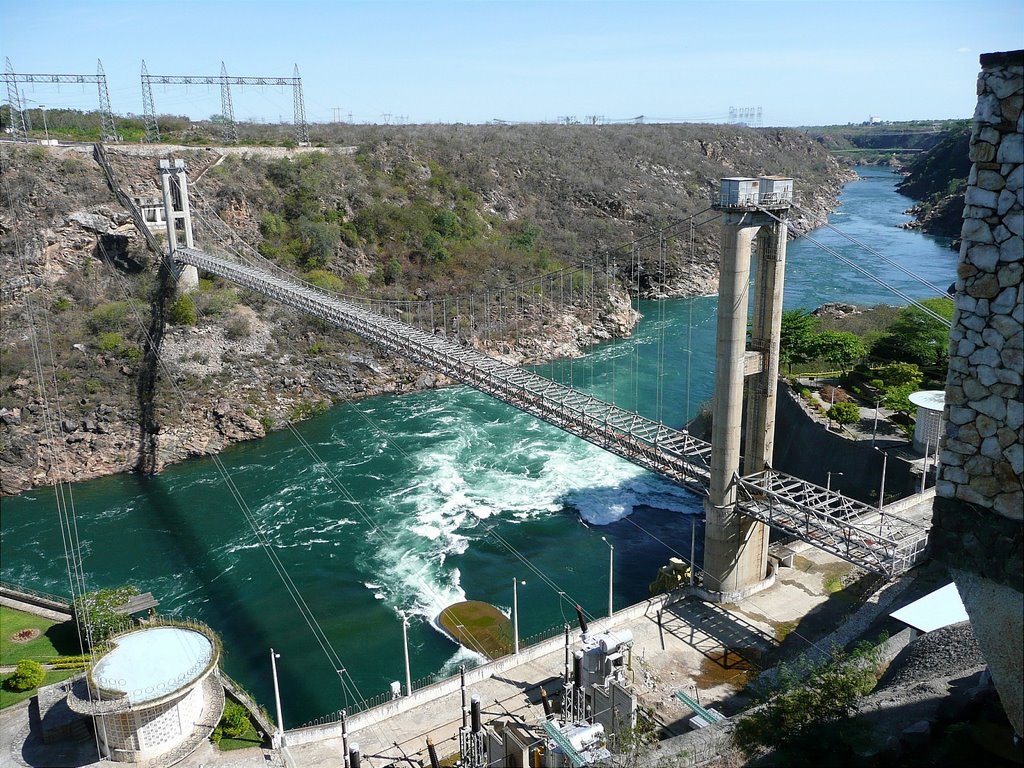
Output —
<point x="844" y="413"/>
<point x="182" y="311"/>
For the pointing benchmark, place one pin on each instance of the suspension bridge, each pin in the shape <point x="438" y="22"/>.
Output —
<point x="869" y="537"/>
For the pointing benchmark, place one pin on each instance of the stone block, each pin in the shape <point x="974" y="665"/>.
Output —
<point x="1015" y="223"/>
<point x="1015" y="178"/>
<point x="1012" y="358"/>
<point x="978" y="231"/>
<point x="984" y="286"/>
<point x="1011" y="149"/>
<point x="1014" y="414"/>
<point x="944" y="489"/>
<point x="981" y="152"/>
<point x="987" y="355"/>
<point x="992" y="406"/>
<point x="990" y="448"/>
<point x="1010" y="505"/>
<point x="981" y="198"/>
<point x="960" y="415"/>
<point x="1010" y="274"/>
<point x="992" y="180"/>
<point x="978" y="466"/>
<point x="1007" y="200"/>
<point x="1005" y="301"/>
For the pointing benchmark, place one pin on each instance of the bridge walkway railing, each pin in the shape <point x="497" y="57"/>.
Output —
<point x="872" y="539"/>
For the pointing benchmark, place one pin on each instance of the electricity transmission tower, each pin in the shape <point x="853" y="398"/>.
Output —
<point x="19" y="127"/>
<point x="225" y="82"/>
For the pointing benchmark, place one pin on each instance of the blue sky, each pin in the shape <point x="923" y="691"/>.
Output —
<point x="804" y="62"/>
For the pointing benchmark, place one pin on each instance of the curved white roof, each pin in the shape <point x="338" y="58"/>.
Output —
<point x="931" y="399"/>
<point x="152" y="663"/>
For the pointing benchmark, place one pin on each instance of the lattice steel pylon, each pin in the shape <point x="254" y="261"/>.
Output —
<point x="18" y="127"/>
<point x="301" y="128"/>
<point x="148" y="110"/>
<point x="227" y="109"/>
<point x="108" y="129"/>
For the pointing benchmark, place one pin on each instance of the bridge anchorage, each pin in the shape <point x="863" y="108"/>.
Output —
<point x="740" y="505"/>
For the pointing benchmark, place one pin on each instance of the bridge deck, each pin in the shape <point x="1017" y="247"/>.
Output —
<point x="879" y="542"/>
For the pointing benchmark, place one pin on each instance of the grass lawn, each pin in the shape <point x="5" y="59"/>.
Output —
<point x="248" y="739"/>
<point x="7" y="698"/>
<point x="57" y="639"/>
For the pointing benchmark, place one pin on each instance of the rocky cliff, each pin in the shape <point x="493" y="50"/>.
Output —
<point x="410" y="212"/>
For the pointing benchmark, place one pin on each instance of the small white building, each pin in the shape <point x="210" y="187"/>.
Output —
<point x="929" y="426"/>
<point x="154" y="692"/>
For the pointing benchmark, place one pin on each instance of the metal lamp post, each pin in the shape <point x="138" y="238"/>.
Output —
<point x="881" y="487"/>
<point x="277" y="697"/>
<point x="611" y="576"/>
<point x="828" y="481"/>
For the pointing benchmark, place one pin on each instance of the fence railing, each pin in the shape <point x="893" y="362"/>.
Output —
<point x="384" y="697"/>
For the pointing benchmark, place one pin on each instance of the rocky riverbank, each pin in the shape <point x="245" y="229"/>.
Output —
<point x="81" y="277"/>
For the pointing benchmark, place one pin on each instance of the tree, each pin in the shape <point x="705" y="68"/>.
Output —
<point x="796" y="337"/>
<point x="916" y="337"/>
<point x="898" y="398"/>
<point x="839" y="348"/>
<point x="319" y="241"/>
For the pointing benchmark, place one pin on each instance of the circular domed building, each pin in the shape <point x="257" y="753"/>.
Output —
<point x="155" y="692"/>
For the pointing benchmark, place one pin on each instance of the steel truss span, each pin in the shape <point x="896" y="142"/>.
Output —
<point x="871" y="539"/>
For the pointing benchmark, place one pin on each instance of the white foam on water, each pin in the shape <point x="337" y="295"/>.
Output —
<point x="472" y="471"/>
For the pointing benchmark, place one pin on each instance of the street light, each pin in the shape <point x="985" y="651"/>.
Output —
<point x="881" y="488"/>
<point x="828" y="481"/>
<point x="874" y="427"/>
<point x="45" y="129"/>
<point x="405" y="644"/>
<point x="277" y="697"/>
<point x="515" y="616"/>
<point x="611" y="576"/>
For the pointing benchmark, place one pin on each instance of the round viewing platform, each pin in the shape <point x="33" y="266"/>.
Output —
<point x="147" y="694"/>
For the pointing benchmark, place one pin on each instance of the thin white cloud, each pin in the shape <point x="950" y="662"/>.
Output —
<point x="963" y="50"/>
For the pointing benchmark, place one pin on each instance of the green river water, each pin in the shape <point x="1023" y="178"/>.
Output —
<point x="453" y="496"/>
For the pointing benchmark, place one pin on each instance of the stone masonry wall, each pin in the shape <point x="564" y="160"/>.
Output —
<point x="983" y="455"/>
<point x="978" y="522"/>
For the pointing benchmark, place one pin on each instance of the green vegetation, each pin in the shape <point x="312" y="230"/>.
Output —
<point x="50" y="638"/>
<point x="235" y="730"/>
<point x="802" y="709"/>
<point x="50" y="643"/>
<point x="839" y="349"/>
<point x="182" y="311"/>
<point x="478" y="626"/>
<point x="97" y="619"/>
<point x="844" y="413"/>
<point x="27" y="675"/>
<point x="918" y="338"/>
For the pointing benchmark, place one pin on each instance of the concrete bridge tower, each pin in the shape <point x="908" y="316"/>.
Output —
<point x="174" y="183"/>
<point x="736" y="546"/>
